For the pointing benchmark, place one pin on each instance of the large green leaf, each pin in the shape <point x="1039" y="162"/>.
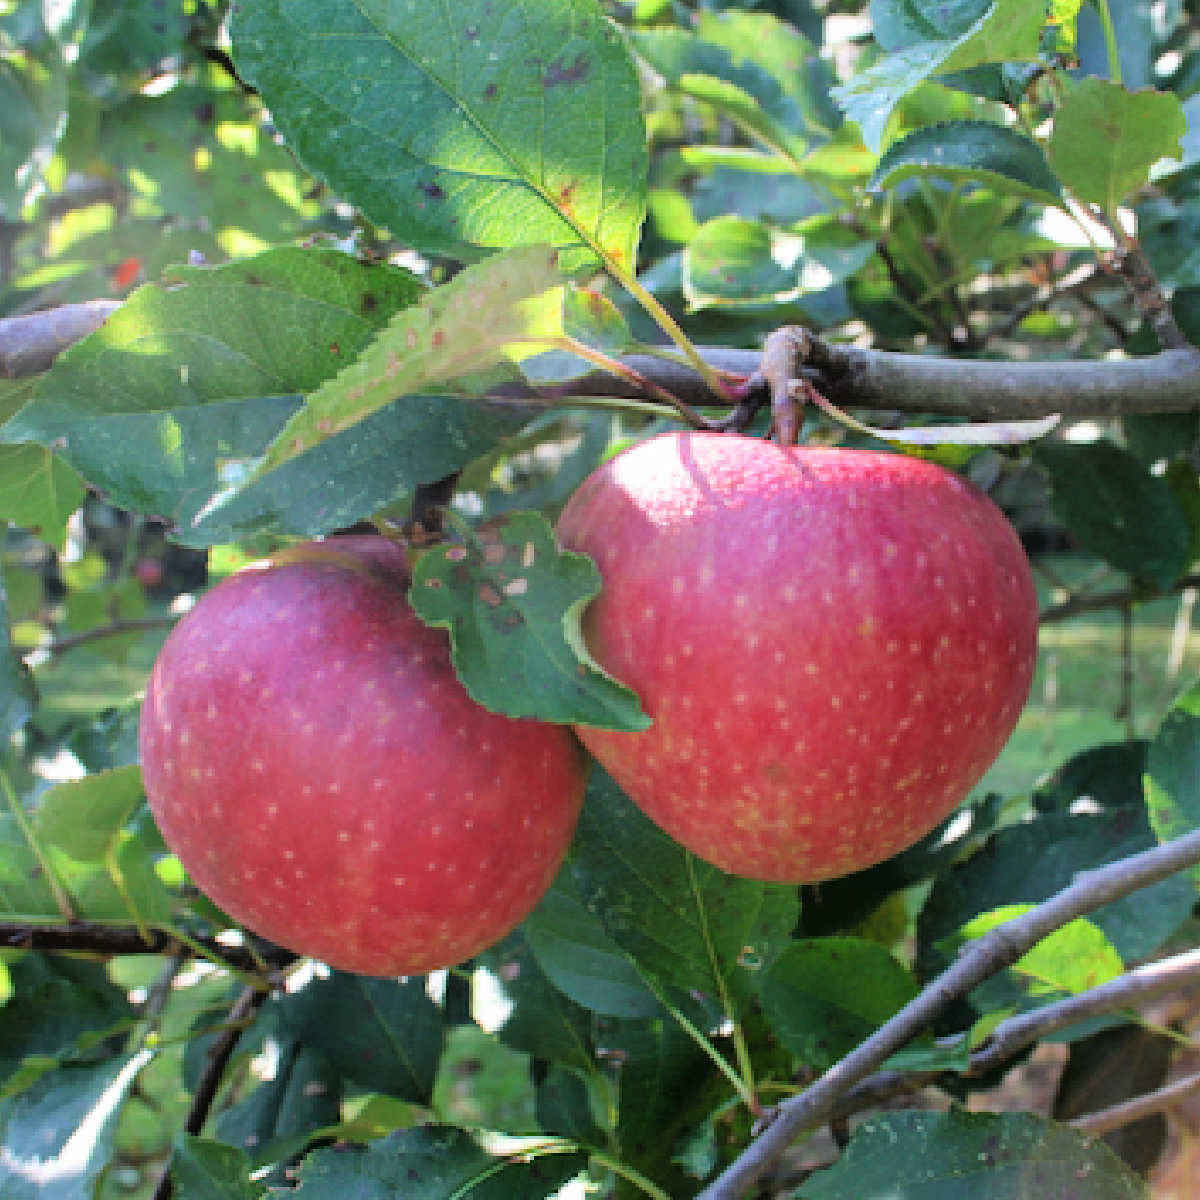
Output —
<point x="383" y="1033"/>
<point x="926" y="1156"/>
<point x="689" y="927"/>
<point x="926" y="41"/>
<point x="977" y="151"/>
<point x="84" y="816"/>
<point x="1106" y="139"/>
<point x="463" y="125"/>
<point x="1117" y="509"/>
<point x="434" y="1162"/>
<point x="822" y="996"/>
<point x="1172" y="779"/>
<point x="512" y="602"/>
<point x="581" y="960"/>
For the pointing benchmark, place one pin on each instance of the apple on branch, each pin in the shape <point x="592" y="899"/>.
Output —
<point x="833" y="644"/>
<point x="311" y="757"/>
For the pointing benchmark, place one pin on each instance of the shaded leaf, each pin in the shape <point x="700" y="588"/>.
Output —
<point x="433" y="1162"/>
<point x="916" y="1155"/>
<point x="18" y="693"/>
<point x="203" y="1169"/>
<point x="512" y="602"/>
<point x="455" y="128"/>
<point x="994" y="155"/>
<point x="822" y="996"/>
<point x="385" y="1034"/>
<point x="688" y="926"/>
<point x="1117" y="509"/>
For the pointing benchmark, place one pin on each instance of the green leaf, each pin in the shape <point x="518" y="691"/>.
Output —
<point x="184" y="379"/>
<point x="924" y="1156"/>
<point x="581" y="960"/>
<point x="1075" y="957"/>
<point x="1006" y="30"/>
<point x="1106" y="139"/>
<point x="1117" y="509"/>
<point x="456" y="126"/>
<point x="1172" y="779"/>
<point x="58" y="1135"/>
<point x="385" y="1034"/>
<point x="822" y="996"/>
<point x="979" y="151"/>
<point x="512" y="602"/>
<point x="434" y="1162"/>
<point x="84" y="817"/>
<point x="38" y="491"/>
<point x="202" y="1169"/>
<point x="457" y="330"/>
<point x="688" y="926"/>
<point x="541" y="1021"/>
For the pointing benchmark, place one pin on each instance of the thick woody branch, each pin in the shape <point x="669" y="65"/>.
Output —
<point x="30" y="344"/>
<point x="980" y="960"/>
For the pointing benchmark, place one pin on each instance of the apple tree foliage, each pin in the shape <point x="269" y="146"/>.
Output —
<point x="363" y="247"/>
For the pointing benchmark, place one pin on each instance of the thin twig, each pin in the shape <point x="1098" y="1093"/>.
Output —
<point x="215" y="1061"/>
<point x="981" y="959"/>
<point x="1099" y="601"/>
<point x="114" y="628"/>
<point x="1108" y="1119"/>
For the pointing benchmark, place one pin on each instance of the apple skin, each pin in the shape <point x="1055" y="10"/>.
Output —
<point x="833" y="644"/>
<point x="314" y="762"/>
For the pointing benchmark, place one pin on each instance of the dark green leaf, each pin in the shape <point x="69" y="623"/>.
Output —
<point x="455" y="127"/>
<point x="57" y="1137"/>
<point x="60" y="1010"/>
<point x="385" y="1034"/>
<point x="1172" y="780"/>
<point x="1106" y="138"/>
<point x="688" y="926"/>
<point x="434" y="1162"/>
<point x="512" y="602"/>
<point x="822" y="996"/>
<point x="1117" y="509"/>
<point x="978" y="151"/>
<point x="924" y="1156"/>
<point x="579" y="957"/>
<point x="202" y="1169"/>
<point x="542" y="1021"/>
<point x="564" y="1108"/>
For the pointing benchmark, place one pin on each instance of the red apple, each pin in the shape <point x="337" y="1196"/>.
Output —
<point x="314" y="762"/>
<point x="834" y="644"/>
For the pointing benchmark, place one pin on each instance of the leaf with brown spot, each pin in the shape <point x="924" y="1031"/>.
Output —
<point x="512" y="602"/>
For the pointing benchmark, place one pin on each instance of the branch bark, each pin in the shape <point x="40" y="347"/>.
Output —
<point x="980" y="960"/>
<point x="978" y="389"/>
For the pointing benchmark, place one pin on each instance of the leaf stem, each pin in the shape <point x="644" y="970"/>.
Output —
<point x="1110" y="41"/>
